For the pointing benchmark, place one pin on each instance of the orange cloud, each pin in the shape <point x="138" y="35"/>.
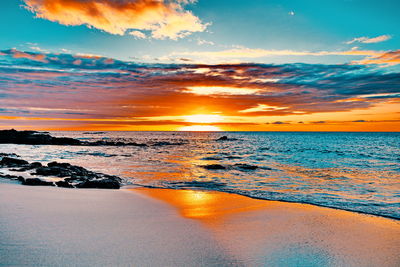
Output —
<point x="389" y="58"/>
<point x="164" y="19"/>
<point x="34" y="57"/>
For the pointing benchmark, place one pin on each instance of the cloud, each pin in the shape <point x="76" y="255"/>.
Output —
<point x="367" y="40"/>
<point x="262" y="108"/>
<point x="162" y="18"/>
<point x="237" y="54"/>
<point x="387" y="58"/>
<point x="138" y="34"/>
<point x="204" y="42"/>
<point x="91" y="89"/>
<point x="220" y="90"/>
<point x="280" y="122"/>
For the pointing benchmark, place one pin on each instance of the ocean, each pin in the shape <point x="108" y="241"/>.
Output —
<point x="345" y="170"/>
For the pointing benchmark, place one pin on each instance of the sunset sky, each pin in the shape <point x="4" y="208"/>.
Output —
<point x="259" y="65"/>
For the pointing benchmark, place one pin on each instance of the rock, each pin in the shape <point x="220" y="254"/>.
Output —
<point x="213" y="167"/>
<point x="105" y="184"/>
<point x="12" y="162"/>
<point x="44" y="138"/>
<point x="56" y="164"/>
<point x="36" y="181"/>
<point x="226" y="138"/>
<point x="64" y="184"/>
<point x="11" y="177"/>
<point x="33" y="165"/>
<point x="246" y="166"/>
<point x="73" y="174"/>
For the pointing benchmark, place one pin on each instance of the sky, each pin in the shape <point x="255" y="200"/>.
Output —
<point x="260" y="65"/>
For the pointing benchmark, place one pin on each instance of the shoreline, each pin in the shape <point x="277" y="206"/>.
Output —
<point x="141" y="226"/>
<point x="265" y="199"/>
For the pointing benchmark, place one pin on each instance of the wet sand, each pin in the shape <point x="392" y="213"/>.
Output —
<point x="161" y="227"/>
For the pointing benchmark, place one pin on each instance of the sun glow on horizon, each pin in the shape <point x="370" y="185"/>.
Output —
<point x="200" y="128"/>
<point x="203" y="118"/>
<point x="221" y="90"/>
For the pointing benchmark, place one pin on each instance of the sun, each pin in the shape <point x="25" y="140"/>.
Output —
<point x="203" y="118"/>
<point x="200" y="128"/>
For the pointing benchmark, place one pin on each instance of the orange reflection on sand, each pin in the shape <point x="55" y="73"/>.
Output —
<point x="271" y="233"/>
<point x="204" y="205"/>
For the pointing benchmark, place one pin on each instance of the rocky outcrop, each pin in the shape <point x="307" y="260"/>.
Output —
<point x="36" y="181"/>
<point x="73" y="176"/>
<point x="245" y="167"/>
<point x="237" y="166"/>
<point x="226" y="138"/>
<point x="43" y="138"/>
<point x="213" y="167"/>
<point x="34" y="138"/>
<point x="12" y="162"/>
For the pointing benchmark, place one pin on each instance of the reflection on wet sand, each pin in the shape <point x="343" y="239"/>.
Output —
<point x="206" y="206"/>
<point x="271" y="233"/>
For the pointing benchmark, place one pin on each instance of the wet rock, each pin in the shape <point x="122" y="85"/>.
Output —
<point x="34" y="138"/>
<point x="12" y="162"/>
<point x="36" y="181"/>
<point x="226" y="138"/>
<point x="11" y="177"/>
<point x="33" y="165"/>
<point x="72" y="174"/>
<point x="214" y="167"/>
<point x="44" y="138"/>
<point x="64" y="184"/>
<point x="104" y="184"/>
<point x="246" y="167"/>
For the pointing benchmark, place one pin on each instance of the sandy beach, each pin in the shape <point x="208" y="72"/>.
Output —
<point x="42" y="226"/>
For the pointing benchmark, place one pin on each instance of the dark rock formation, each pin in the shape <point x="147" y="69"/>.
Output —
<point x="34" y="138"/>
<point x="11" y="177"/>
<point x="12" y="162"/>
<point x="74" y="176"/>
<point x="105" y="184"/>
<point x="33" y="165"/>
<point x="79" y="176"/>
<point x="213" y="167"/>
<point x="64" y="184"/>
<point x="246" y="167"/>
<point x="226" y="138"/>
<point x="36" y="181"/>
<point x="43" y="138"/>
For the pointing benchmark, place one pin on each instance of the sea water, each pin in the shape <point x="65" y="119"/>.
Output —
<point x="351" y="171"/>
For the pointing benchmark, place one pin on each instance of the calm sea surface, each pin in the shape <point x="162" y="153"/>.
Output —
<point x="352" y="171"/>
